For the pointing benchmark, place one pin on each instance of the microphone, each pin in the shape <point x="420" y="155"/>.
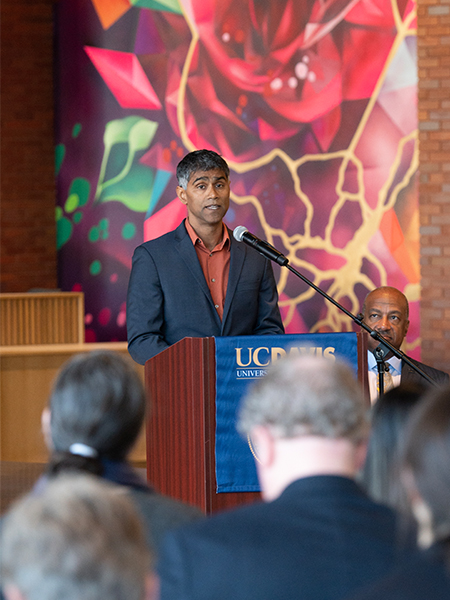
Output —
<point x="242" y="234"/>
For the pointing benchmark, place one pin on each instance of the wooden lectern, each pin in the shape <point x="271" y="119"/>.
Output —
<point x="180" y="383"/>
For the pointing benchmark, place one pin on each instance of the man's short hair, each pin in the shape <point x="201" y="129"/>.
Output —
<point x="80" y="539"/>
<point x="199" y="160"/>
<point x="306" y="395"/>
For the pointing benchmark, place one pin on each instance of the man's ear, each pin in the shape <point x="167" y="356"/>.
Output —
<point x="181" y="193"/>
<point x="46" y="427"/>
<point x="262" y="442"/>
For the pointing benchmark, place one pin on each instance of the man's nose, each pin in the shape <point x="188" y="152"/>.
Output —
<point x="383" y="324"/>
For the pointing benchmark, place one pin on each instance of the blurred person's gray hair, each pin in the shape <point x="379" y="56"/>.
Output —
<point x="306" y="395"/>
<point x="80" y="539"/>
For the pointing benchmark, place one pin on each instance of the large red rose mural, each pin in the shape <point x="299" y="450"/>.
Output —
<point x="274" y="73"/>
<point x="313" y="104"/>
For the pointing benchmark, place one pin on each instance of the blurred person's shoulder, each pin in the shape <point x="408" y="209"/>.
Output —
<point x="162" y="513"/>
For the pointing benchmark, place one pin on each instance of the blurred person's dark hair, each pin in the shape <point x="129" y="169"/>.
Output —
<point x="97" y="408"/>
<point x="426" y="466"/>
<point x="380" y="476"/>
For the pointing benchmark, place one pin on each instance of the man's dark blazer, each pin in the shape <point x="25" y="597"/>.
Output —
<point x="426" y="577"/>
<point x="169" y="299"/>
<point x="410" y="377"/>
<point x="322" y="539"/>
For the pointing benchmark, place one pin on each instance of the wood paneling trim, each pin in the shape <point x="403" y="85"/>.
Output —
<point x="41" y="318"/>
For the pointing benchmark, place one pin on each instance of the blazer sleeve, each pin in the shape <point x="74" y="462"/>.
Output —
<point x="144" y="308"/>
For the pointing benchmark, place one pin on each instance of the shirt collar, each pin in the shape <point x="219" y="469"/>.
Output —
<point x="396" y="363"/>
<point x="196" y="240"/>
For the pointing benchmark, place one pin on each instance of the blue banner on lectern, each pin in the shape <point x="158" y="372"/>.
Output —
<point x="240" y="361"/>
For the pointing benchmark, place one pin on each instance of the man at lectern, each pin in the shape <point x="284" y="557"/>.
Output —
<point x="198" y="281"/>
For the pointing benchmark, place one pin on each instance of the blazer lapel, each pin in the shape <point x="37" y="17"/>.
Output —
<point x="409" y="376"/>
<point x="237" y="257"/>
<point x="188" y="255"/>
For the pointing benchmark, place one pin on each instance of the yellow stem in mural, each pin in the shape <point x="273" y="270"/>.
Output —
<point x="183" y="83"/>
<point x="356" y="250"/>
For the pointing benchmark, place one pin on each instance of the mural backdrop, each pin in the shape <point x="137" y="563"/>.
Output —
<point x="312" y="103"/>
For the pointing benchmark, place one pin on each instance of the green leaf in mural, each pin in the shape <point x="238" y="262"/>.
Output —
<point x="60" y="152"/>
<point x="141" y="135"/>
<point x="64" y="230"/>
<point x="167" y="5"/>
<point x="137" y="133"/>
<point x="118" y="130"/>
<point x="76" y="130"/>
<point x="133" y="191"/>
<point x="80" y="187"/>
<point x="72" y="203"/>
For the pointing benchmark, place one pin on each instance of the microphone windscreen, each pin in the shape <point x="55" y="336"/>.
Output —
<point x="238" y="232"/>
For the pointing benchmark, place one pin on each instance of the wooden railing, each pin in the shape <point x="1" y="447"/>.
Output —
<point x="41" y="318"/>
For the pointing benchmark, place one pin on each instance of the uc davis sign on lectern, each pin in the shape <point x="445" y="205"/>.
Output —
<point x="198" y="382"/>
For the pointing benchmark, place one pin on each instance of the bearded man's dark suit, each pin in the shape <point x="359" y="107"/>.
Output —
<point x="321" y="539"/>
<point x="169" y="299"/>
<point x="410" y="377"/>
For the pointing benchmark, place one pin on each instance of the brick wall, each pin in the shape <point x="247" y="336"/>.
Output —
<point x="434" y="178"/>
<point x="28" y="256"/>
<point x="28" y="241"/>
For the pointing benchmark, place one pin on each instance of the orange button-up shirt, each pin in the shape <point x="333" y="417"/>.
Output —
<point x="215" y="265"/>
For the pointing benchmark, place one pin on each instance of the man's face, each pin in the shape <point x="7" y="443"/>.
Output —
<point x="207" y="197"/>
<point x="386" y="312"/>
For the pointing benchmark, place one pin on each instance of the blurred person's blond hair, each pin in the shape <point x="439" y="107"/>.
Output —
<point x="80" y="539"/>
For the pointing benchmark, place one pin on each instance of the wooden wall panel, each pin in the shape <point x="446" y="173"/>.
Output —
<point x="27" y="374"/>
<point x="42" y="318"/>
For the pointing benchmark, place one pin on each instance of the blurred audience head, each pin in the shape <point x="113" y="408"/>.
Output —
<point x="381" y="473"/>
<point x="96" y="408"/>
<point x="81" y="539"/>
<point x="426" y="466"/>
<point x="313" y="410"/>
<point x="306" y="395"/>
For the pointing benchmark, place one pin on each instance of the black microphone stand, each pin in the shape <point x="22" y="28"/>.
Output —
<point x="380" y="352"/>
<point x="384" y="346"/>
